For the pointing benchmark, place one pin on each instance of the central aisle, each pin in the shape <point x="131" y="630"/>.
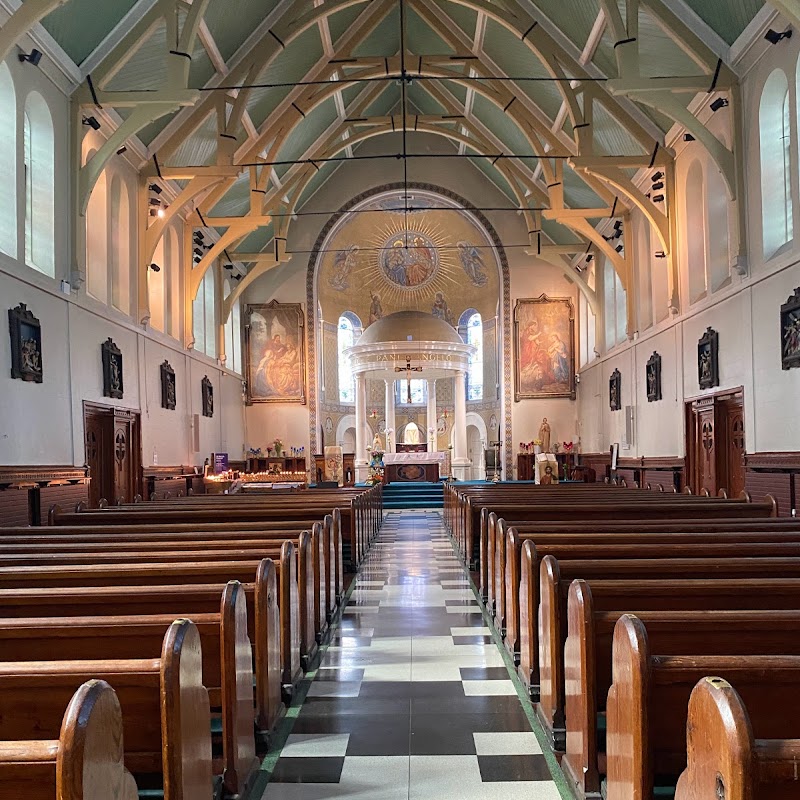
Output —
<point x="412" y="698"/>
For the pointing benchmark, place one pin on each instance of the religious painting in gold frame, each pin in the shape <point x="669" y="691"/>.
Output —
<point x="544" y="348"/>
<point x="275" y="353"/>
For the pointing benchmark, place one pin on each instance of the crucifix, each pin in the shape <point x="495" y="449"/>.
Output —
<point x="408" y="369"/>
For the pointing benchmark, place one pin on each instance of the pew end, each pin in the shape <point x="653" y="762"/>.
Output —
<point x="528" y="669"/>
<point x="550" y="708"/>
<point x="269" y="665"/>
<point x="724" y="760"/>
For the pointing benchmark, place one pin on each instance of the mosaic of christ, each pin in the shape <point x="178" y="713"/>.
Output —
<point x="431" y="256"/>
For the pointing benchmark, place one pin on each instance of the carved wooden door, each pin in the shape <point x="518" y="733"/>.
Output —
<point x="732" y="417"/>
<point x="125" y="456"/>
<point x="96" y="439"/>
<point x="701" y="446"/>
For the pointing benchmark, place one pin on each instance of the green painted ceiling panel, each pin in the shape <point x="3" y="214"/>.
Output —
<point x="384" y="39"/>
<point x="146" y="68"/>
<point x="149" y="132"/>
<point x="659" y="53"/>
<point x="494" y="176"/>
<point x="610" y="137"/>
<point x="464" y="17"/>
<point x="422" y="39"/>
<point x="304" y="135"/>
<point x="202" y="70"/>
<point x="727" y="17"/>
<point x="236" y="201"/>
<point x="290" y="65"/>
<point x="577" y="193"/>
<point x="384" y="103"/>
<point x="80" y="25"/>
<point x="423" y="101"/>
<point x="200" y="148"/>
<point x="316" y="182"/>
<point x="503" y="127"/>
<point x="558" y="233"/>
<point x="340" y="22"/>
<point x="257" y="240"/>
<point x="350" y="93"/>
<point x="232" y="21"/>
<point x="575" y="18"/>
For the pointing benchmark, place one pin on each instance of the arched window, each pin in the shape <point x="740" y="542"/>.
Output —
<point x="39" y="160"/>
<point x="8" y="163"/>
<point x="475" y="371"/>
<point x="97" y="240"/>
<point x="120" y="245"/>
<point x="614" y="306"/>
<point x="172" y="282"/>
<point x="642" y="266"/>
<point x="204" y="309"/>
<point x="774" y="124"/>
<point x="233" y="334"/>
<point x="348" y="330"/>
<point x="155" y="286"/>
<point x="696" y="231"/>
<point x="718" y="258"/>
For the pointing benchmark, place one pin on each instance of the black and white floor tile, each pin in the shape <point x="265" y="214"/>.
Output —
<point x="412" y="698"/>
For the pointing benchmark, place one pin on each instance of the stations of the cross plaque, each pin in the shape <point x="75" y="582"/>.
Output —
<point x="408" y="369"/>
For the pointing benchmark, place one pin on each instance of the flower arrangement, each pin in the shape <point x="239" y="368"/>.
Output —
<point x="568" y="446"/>
<point x="278" y="445"/>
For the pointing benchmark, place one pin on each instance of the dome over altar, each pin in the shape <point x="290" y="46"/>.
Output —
<point x="405" y="326"/>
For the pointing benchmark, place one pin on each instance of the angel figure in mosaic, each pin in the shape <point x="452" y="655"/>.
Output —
<point x="472" y="262"/>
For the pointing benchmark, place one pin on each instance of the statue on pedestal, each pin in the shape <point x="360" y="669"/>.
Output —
<point x="544" y="435"/>
<point x="376" y="443"/>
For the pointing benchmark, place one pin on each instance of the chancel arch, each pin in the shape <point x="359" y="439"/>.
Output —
<point x="442" y="259"/>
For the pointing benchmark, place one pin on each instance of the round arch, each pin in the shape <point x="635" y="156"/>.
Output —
<point x="504" y="284"/>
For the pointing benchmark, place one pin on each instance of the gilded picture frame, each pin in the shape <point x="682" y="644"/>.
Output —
<point x="275" y="337"/>
<point x="544" y="348"/>
<point x="790" y="331"/>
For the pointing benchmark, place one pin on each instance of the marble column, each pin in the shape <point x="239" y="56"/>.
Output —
<point x="461" y="464"/>
<point x="391" y="438"/>
<point x="432" y="418"/>
<point x="361" y="427"/>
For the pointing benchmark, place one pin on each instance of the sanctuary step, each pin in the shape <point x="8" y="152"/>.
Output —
<point x="413" y="495"/>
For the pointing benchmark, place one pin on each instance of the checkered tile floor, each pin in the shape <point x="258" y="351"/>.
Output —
<point x="412" y="698"/>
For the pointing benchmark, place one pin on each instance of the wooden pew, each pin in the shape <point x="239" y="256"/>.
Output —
<point x="688" y="531"/>
<point x="649" y="696"/>
<point x="188" y="573"/>
<point x="226" y="666"/>
<point x="683" y="623"/>
<point x="85" y="762"/>
<point x="166" y="719"/>
<point x="555" y="577"/>
<point x="326" y="550"/>
<point x="725" y="759"/>
<point x="314" y="596"/>
<point x="192" y="601"/>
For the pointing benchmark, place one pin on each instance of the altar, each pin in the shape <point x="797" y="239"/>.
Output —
<point x="414" y="466"/>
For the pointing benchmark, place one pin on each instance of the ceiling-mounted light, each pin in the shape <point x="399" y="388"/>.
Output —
<point x="161" y="212"/>
<point x="618" y="225"/>
<point x="658" y="198"/>
<point x="720" y="102"/>
<point x="154" y="187"/>
<point x="198" y="238"/>
<point x="619" y="248"/>
<point x="155" y="267"/>
<point x="589" y="258"/>
<point x="91" y="122"/>
<point x="153" y="212"/>
<point x="198" y="252"/>
<point x="773" y="37"/>
<point x="660" y="254"/>
<point x="657" y="176"/>
<point x="657" y="187"/>
<point x="228" y="266"/>
<point x="35" y="56"/>
<point x="122" y="150"/>
<point x="154" y="201"/>
<point x="687" y="137"/>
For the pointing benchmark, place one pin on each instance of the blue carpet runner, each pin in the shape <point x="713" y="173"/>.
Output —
<point x="413" y="495"/>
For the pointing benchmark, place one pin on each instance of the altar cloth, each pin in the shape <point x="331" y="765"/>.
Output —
<point x="414" y="458"/>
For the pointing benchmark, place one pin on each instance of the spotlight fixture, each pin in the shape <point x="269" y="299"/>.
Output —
<point x="155" y="267"/>
<point x="154" y="201"/>
<point x="773" y="37"/>
<point x="720" y="102"/>
<point x="589" y="258"/>
<point x="619" y="248"/>
<point x="228" y="266"/>
<point x="155" y="188"/>
<point x="618" y="225"/>
<point x="91" y="122"/>
<point x="198" y="238"/>
<point x="660" y="254"/>
<point x="198" y="252"/>
<point x="35" y="56"/>
<point x="153" y="212"/>
<point x="657" y="187"/>
<point x="161" y="212"/>
<point x="658" y="198"/>
<point x="657" y="176"/>
<point x="687" y="137"/>
<point x="122" y="150"/>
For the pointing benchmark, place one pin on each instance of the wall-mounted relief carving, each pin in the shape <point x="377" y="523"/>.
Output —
<point x="113" y="381"/>
<point x="790" y="331"/>
<point x="653" y="378"/>
<point x="207" y="390"/>
<point x="26" y="344"/>
<point x="168" y="387"/>
<point x="708" y="359"/>
<point x="615" y="391"/>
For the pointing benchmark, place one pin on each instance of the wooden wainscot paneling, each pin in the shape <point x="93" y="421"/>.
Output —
<point x="668" y="472"/>
<point x="777" y="474"/>
<point x="27" y="492"/>
<point x="165" y="483"/>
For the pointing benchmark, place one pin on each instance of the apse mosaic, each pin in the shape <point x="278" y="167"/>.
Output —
<point x="427" y="255"/>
